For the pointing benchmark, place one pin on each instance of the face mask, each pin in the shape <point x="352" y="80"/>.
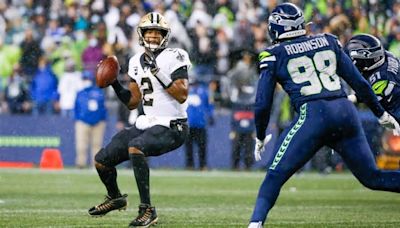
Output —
<point x="79" y="35"/>
<point x="93" y="42"/>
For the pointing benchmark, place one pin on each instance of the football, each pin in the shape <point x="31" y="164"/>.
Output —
<point x="107" y="71"/>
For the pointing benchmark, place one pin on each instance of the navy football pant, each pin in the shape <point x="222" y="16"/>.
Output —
<point x="334" y="123"/>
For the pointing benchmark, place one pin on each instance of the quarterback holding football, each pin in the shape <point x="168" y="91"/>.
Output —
<point x="159" y="81"/>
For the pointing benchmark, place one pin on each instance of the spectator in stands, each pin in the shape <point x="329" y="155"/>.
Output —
<point x="394" y="45"/>
<point x="198" y="16"/>
<point x="39" y="21"/>
<point x="92" y="54"/>
<point x="31" y="53"/>
<point x="179" y="36"/>
<point x="9" y="56"/>
<point x="66" y="49"/>
<point x="203" y="53"/>
<point x="200" y="115"/>
<point x="17" y="93"/>
<point x="223" y="44"/>
<point x="54" y="30"/>
<point x="243" y="79"/>
<point x="44" y="89"/>
<point x="90" y="120"/>
<point x="70" y="84"/>
<point x="244" y="37"/>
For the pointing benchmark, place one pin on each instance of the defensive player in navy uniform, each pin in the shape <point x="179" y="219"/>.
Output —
<point x="159" y="80"/>
<point x="379" y="67"/>
<point x="309" y="69"/>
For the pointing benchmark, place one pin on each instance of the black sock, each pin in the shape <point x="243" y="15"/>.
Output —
<point x="142" y="173"/>
<point x="109" y="178"/>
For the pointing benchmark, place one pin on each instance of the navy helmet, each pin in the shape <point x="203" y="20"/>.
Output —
<point x="366" y="51"/>
<point x="286" y="21"/>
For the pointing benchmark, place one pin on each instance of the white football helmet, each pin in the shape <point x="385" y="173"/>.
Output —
<point x="157" y="21"/>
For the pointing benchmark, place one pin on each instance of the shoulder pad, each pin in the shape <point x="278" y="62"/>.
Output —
<point x="334" y="38"/>
<point x="269" y="51"/>
<point x="173" y="58"/>
<point x="179" y="53"/>
<point x="330" y="35"/>
<point x="390" y="54"/>
<point x="392" y="66"/>
<point x="263" y="55"/>
<point x="136" y="56"/>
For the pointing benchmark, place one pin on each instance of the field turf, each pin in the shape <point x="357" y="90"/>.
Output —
<point x="34" y="198"/>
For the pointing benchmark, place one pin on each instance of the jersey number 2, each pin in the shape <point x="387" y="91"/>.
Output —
<point x="304" y="69"/>
<point x="148" y="90"/>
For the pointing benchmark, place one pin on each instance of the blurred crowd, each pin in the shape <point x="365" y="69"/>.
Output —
<point x="49" y="51"/>
<point x="46" y="46"/>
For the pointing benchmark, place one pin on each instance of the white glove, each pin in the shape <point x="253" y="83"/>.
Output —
<point x="352" y="98"/>
<point x="390" y="122"/>
<point x="260" y="146"/>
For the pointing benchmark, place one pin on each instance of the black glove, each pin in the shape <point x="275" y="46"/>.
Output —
<point x="150" y="61"/>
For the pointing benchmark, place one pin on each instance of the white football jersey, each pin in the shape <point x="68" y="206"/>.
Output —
<point x="156" y="101"/>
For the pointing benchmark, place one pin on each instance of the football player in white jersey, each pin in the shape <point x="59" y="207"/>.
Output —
<point x="159" y="80"/>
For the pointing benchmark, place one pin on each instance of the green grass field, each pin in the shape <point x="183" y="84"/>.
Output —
<point x="34" y="198"/>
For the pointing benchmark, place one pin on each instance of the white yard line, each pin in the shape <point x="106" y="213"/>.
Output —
<point x="180" y="173"/>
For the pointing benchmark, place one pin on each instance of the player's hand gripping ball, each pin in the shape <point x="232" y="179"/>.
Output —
<point x="107" y="71"/>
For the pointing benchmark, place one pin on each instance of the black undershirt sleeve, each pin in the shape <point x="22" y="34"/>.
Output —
<point x="180" y="73"/>
<point x="123" y="94"/>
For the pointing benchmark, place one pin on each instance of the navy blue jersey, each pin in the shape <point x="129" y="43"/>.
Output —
<point x="308" y="68"/>
<point x="385" y="82"/>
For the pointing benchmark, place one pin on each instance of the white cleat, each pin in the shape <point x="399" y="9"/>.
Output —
<point x="255" y="225"/>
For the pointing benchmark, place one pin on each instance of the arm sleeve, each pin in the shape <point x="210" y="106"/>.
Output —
<point x="353" y="77"/>
<point x="180" y="73"/>
<point x="123" y="94"/>
<point x="263" y="104"/>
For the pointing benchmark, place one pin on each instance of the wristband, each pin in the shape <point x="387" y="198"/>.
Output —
<point x="164" y="79"/>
